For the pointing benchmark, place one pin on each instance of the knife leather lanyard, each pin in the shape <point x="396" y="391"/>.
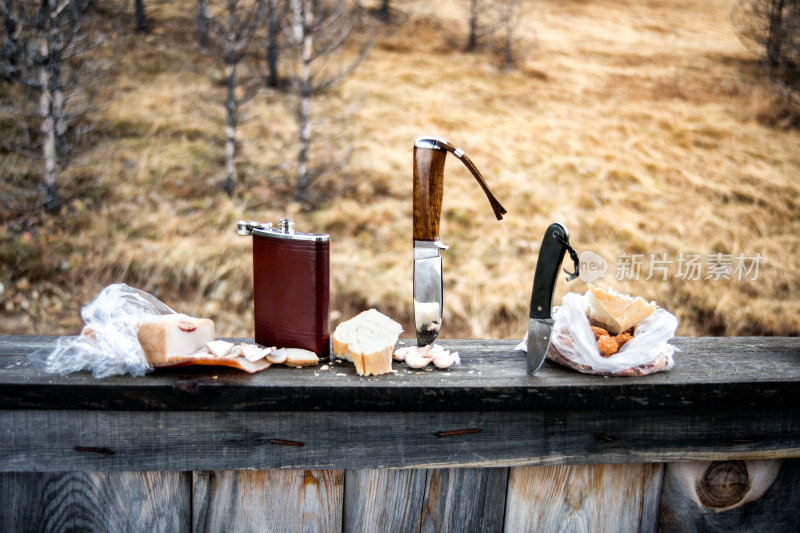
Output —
<point x="576" y="263"/>
<point x="498" y="209"/>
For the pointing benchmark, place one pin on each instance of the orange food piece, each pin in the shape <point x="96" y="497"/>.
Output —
<point x="622" y="338"/>
<point x="599" y="332"/>
<point x="607" y="345"/>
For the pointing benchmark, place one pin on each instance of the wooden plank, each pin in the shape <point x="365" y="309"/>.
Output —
<point x="770" y="506"/>
<point x="131" y="440"/>
<point x="465" y="500"/>
<point x="383" y="500"/>
<point x="710" y="372"/>
<point x="124" y="502"/>
<point x="579" y="498"/>
<point x="275" y="500"/>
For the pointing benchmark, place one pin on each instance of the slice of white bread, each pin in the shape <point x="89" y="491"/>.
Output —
<point x="367" y="340"/>
<point x="169" y="338"/>
<point x="616" y="312"/>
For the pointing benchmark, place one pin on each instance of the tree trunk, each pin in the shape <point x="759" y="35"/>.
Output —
<point x="52" y="200"/>
<point x="273" y="29"/>
<point x="509" y="23"/>
<point x="385" y="11"/>
<point x="141" y="16"/>
<point x="775" y="37"/>
<point x="202" y="22"/>
<point x="302" y="30"/>
<point x="231" y="105"/>
<point x="10" y="71"/>
<point x="472" y="41"/>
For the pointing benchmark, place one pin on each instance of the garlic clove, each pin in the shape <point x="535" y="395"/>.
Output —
<point x="400" y="353"/>
<point x="418" y="359"/>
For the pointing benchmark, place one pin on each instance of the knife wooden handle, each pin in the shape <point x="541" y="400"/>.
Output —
<point x="551" y="254"/>
<point x="428" y="191"/>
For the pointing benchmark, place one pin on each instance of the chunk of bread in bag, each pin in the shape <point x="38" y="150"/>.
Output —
<point x="616" y="312"/>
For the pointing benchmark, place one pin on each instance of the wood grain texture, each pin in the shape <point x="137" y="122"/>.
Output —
<point x="383" y="500"/>
<point x="131" y="440"/>
<point x="123" y="502"/>
<point x="465" y="500"/>
<point x="428" y="191"/>
<point x="722" y="373"/>
<point x="275" y="500"/>
<point x="579" y="498"/>
<point x="776" y="509"/>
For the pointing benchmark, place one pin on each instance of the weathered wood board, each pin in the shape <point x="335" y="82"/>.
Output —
<point x="609" y="497"/>
<point x="113" y="502"/>
<point x="130" y="440"/>
<point x="327" y="450"/>
<point x="277" y="500"/>
<point x="753" y="372"/>
<point x="387" y="500"/>
<point x="465" y="499"/>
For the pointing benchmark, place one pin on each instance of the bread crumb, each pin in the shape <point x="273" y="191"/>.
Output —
<point x="324" y="367"/>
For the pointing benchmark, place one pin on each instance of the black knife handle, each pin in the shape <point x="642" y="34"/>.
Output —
<point x="551" y="254"/>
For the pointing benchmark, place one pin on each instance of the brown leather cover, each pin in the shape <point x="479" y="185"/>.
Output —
<point x="291" y="280"/>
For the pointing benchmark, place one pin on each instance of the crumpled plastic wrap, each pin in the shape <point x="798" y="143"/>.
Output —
<point x="572" y="343"/>
<point x="108" y="344"/>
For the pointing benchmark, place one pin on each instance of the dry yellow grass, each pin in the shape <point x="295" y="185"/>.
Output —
<point x="639" y="125"/>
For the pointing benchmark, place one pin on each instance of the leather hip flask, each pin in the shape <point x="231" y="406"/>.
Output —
<point x="291" y="287"/>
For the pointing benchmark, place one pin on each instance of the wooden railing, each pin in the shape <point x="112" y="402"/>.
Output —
<point x="709" y="445"/>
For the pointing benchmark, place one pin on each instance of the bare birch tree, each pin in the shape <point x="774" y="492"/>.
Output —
<point x="276" y="11"/>
<point x="494" y="24"/>
<point x="480" y="23"/>
<point x="10" y="49"/>
<point x="771" y="28"/>
<point x="233" y="29"/>
<point x="202" y="22"/>
<point x="509" y="18"/>
<point x="50" y="39"/>
<point x="140" y="16"/>
<point x="320" y="34"/>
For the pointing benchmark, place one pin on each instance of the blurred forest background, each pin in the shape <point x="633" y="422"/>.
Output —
<point x="134" y="135"/>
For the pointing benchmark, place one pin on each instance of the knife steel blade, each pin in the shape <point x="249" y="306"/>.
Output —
<point x="540" y="327"/>
<point x="428" y="300"/>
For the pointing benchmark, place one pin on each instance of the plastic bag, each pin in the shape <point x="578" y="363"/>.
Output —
<point x="108" y="344"/>
<point x="572" y="342"/>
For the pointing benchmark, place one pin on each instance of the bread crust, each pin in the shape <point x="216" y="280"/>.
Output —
<point x="153" y="338"/>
